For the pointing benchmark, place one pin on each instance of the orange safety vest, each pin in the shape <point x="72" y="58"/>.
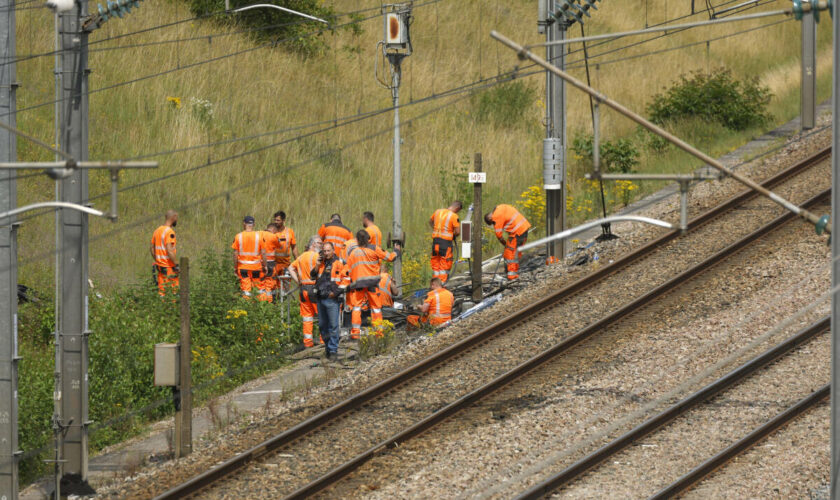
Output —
<point x="375" y="235"/>
<point x="247" y="244"/>
<point x="337" y="234"/>
<point x="159" y="238"/>
<point x="304" y="266"/>
<point x="270" y="243"/>
<point x="444" y="221"/>
<point x="440" y="305"/>
<point x="283" y="254"/>
<point x="507" y="218"/>
<point x="338" y="274"/>
<point x="385" y="288"/>
<point x="363" y="264"/>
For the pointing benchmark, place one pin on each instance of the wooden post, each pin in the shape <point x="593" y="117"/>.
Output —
<point x="183" y="415"/>
<point x="477" y="230"/>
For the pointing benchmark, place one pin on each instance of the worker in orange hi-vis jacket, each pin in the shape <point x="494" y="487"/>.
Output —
<point x="336" y="233"/>
<point x="286" y="252"/>
<point x="163" y="252"/>
<point x="387" y="289"/>
<point x="507" y="218"/>
<point x="301" y="271"/>
<point x="437" y="308"/>
<point x="372" y="230"/>
<point x="363" y="268"/>
<point x="270" y="243"/>
<point x="445" y="227"/>
<point x="248" y="257"/>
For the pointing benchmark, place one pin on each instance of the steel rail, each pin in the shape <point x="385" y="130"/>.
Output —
<point x="725" y="456"/>
<point x="208" y="477"/>
<point x="528" y="366"/>
<point x="663" y="418"/>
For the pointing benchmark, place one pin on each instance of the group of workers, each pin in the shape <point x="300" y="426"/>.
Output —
<point x="340" y="270"/>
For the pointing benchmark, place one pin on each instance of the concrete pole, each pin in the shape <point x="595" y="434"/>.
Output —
<point x="72" y="321"/>
<point x="396" y="233"/>
<point x="809" y="71"/>
<point x="8" y="262"/>
<point x="554" y="147"/>
<point x="183" y="417"/>
<point x="835" y="271"/>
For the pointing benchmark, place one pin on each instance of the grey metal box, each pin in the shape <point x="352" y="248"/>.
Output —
<point x="166" y="364"/>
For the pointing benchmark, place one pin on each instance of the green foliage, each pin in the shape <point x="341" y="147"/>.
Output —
<point x="718" y="97"/>
<point x="619" y="156"/>
<point x="504" y="105"/>
<point x="454" y="183"/>
<point x="232" y="341"/>
<point x="274" y="25"/>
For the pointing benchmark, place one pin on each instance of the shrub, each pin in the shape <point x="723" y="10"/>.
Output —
<point x="737" y="105"/>
<point x="619" y="156"/>
<point x="504" y="105"/>
<point x="275" y="25"/>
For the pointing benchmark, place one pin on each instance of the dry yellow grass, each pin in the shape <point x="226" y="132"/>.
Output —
<point x="271" y="89"/>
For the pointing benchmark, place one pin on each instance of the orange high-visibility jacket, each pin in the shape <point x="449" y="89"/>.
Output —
<point x="338" y="274"/>
<point x="385" y="289"/>
<point x="507" y="218"/>
<point x="285" y="238"/>
<point x="247" y="246"/>
<point x="363" y="265"/>
<point x="336" y="233"/>
<point x="445" y="222"/>
<point x="440" y="305"/>
<point x="351" y="244"/>
<point x="270" y="244"/>
<point x="304" y="265"/>
<point x="161" y="236"/>
<point x="375" y="235"/>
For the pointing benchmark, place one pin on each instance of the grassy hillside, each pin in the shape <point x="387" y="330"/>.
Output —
<point x="347" y="166"/>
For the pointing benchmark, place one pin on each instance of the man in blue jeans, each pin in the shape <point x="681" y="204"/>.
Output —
<point x="331" y="281"/>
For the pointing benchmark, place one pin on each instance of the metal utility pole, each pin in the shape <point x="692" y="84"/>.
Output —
<point x="835" y="269"/>
<point x="395" y="47"/>
<point x="71" y="398"/>
<point x="554" y="145"/>
<point x="809" y="71"/>
<point x="8" y="264"/>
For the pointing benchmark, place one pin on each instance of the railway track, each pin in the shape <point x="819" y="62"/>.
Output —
<point x="426" y="393"/>
<point x="660" y="421"/>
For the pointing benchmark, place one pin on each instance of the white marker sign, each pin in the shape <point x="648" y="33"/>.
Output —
<point x="478" y="177"/>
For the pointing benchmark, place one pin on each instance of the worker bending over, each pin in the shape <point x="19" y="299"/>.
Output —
<point x="330" y="283"/>
<point x="301" y="272"/>
<point x="445" y="228"/>
<point x="387" y="289"/>
<point x="507" y="218"/>
<point x="248" y="257"/>
<point x="437" y="308"/>
<point x="336" y="233"/>
<point x="163" y="252"/>
<point x="363" y="268"/>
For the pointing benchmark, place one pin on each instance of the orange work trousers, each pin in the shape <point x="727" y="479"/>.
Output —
<point x="167" y="278"/>
<point x="442" y="258"/>
<point x="249" y="279"/>
<point x="355" y="300"/>
<point x="512" y="255"/>
<point x="308" y="313"/>
<point x="416" y="320"/>
<point x="266" y="285"/>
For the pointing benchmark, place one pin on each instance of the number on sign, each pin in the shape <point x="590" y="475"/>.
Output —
<point x="478" y="177"/>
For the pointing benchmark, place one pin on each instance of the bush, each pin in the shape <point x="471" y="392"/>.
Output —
<point x="275" y="25"/>
<point x="504" y="105"/>
<point x="619" y="156"/>
<point x="737" y="105"/>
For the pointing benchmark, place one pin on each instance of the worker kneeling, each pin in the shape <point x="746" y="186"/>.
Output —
<point x="437" y="308"/>
<point x="363" y="268"/>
